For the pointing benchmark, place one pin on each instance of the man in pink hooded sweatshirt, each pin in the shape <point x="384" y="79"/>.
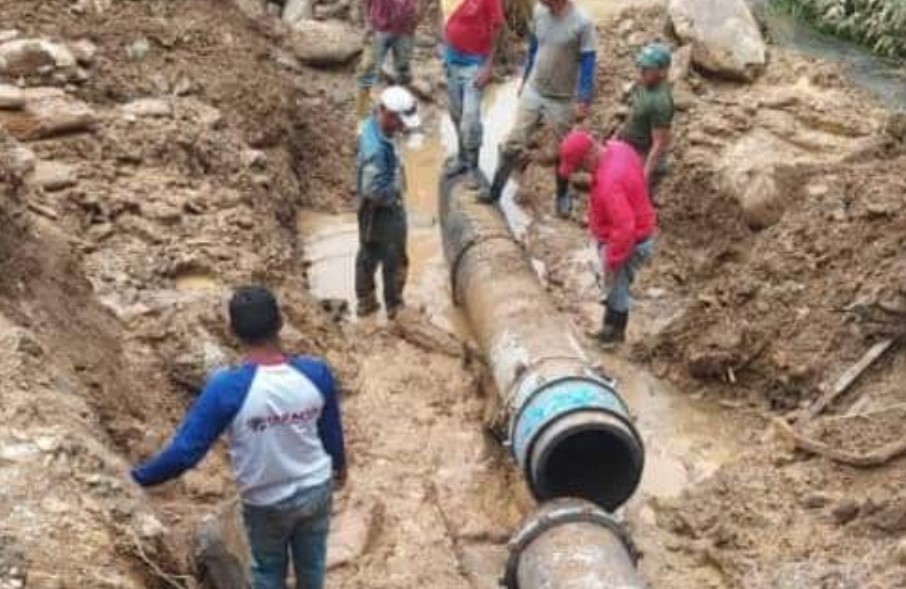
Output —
<point x="620" y="217"/>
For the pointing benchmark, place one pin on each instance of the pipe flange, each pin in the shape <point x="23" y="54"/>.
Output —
<point x="576" y="511"/>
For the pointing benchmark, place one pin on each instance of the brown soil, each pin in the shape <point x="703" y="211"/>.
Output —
<point x="113" y="290"/>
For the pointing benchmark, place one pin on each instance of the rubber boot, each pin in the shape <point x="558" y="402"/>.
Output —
<point x="564" y="200"/>
<point x="613" y="330"/>
<point x="475" y="178"/>
<point x="505" y="168"/>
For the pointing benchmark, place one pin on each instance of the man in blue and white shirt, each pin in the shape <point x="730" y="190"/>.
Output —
<point x="283" y="426"/>
<point x="381" y="187"/>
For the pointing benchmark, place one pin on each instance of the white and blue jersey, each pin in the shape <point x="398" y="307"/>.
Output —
<point x="283" y="427"/>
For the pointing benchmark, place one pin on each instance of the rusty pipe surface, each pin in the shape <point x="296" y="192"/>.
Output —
<point x="571" y="544"/>
<point x="567" y="428"/>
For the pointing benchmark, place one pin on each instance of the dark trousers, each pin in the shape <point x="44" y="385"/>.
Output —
<point x="382" y="242"/>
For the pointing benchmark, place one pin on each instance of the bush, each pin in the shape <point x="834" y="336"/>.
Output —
<point x="879" y="24"/>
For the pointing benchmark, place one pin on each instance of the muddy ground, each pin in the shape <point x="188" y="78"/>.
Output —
<point x="119" y="248"/>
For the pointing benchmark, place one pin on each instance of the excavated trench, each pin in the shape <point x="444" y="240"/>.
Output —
<point x="686" y="441"/>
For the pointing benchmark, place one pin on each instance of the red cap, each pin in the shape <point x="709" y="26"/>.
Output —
<point x="573" y="150"/>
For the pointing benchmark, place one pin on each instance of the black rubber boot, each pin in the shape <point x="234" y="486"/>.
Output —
<point x="613" y="330"/>
<point x="564" y="200"/>
<point x="457" y="164"/>
<point x="505" y="168"/>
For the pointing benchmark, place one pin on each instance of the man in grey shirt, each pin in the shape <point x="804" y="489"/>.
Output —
<point x="557" y="87"/>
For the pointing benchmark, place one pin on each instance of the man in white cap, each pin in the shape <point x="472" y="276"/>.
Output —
<point x="381" y="186"/>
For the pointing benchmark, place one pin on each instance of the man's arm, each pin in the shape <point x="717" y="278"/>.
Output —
<point x="378" y="185"/>
<point x="660" y="143"/>
<point x="588" y="48"/>
<point x="330" y="424"/>
<point x="529" y="60"/>
<point x="212" y="413"/>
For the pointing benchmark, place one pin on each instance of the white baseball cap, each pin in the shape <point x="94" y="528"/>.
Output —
<point x="403" y="104"/>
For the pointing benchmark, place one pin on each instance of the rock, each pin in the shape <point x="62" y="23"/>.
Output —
<point x="350" y="532"/>
<point x="298" y="10"/>
<point x="683" y="97"/>
<point x="845" y="511"/>
<point x="322" y="44"/>
<point x="84" y="51"/>
<point x="139" y="49"/>
<point x="900" y="552"/>
<point x="8" y="35"/>
<point x="149" y="107"/>
<point x="49" y="112"/>
<point x="30" y="57"/>
<point x="253" y="158"/>
<point x="816" y="500"/>
<point x="724" y="35"/>
<point x="11" y="97"/>
<point x="423" y="89"/>
<point x="21" y="160"/>
<point x="53" y="176"/>
<point x="750" y="172"/>
<point x="184" y="86"/>
<point x="895" y="126"/>
<point x="682" y="63"/>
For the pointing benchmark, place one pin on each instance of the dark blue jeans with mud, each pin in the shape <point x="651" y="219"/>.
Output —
<point x="297" y="526"/>
<point x="382" y="243"/>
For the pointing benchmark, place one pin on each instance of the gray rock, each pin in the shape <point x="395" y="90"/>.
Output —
<point x="9" y="35"/>
<point x="49" y="112"/>
<point x="11" y="97"/>
<point x="845" y="511"/>
<point x="21" y="160"/>
<point x="29" y="57"/>
<point x="149" y="107"/>
<point x="139" y="49"/>
<point x="298" y="10"/>
<point x="725" y="37"/>
<point x="84" y="51"/>
<point x="682" y="63"/>
<point x="323" y="44"/>
<point x="53" y="176"/>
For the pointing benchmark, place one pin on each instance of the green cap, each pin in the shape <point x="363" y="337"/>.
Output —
<point x="654" y="56"/>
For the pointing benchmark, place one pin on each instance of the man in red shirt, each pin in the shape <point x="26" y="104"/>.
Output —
<point x="391" y="24"/>
<point x="469" y="31"/>
<point x="620" y="217"/>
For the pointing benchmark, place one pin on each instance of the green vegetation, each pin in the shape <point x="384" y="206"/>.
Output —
<point x="879" y="24"/>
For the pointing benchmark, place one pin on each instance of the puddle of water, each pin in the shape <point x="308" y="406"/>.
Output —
<point x="197" y="282"/>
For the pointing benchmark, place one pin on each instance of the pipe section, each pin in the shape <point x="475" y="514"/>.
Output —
<point x="571" y="544"/>
<point x="567" y="428"/>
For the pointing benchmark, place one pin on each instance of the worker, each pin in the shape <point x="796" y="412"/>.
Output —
<point x="381" y="186"/>
<point x="556" y="89"/>
<point x="469" y="31"/>
<point x="647" y="127"/>
<point x="620" y="217"/>
<point x="285" y="438"/>
<point x="391" y="29"/>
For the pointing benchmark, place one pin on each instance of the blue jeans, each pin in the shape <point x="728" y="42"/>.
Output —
<point x="618" y="292"/>
<point x="464" y="103"/>
<point x="298" y="525"/>
<point x="401" y="48"/>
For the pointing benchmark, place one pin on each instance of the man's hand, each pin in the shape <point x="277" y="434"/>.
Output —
<point x="484" y="77"/>
<point x="582" y="109"/>
<point x="339" y="478"/>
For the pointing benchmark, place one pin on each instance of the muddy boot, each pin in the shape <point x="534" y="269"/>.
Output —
<point x="505" y="168"/>
<point x="564" y="200"/>
<point x="366" y="308"/>
<point x="394" y="311"/>
<point x="457" y="164"/>
<point x="613" y="331"/>
<point x="475" y="178"/>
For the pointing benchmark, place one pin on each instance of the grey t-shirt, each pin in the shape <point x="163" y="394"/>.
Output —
<point x="561" y="42"/>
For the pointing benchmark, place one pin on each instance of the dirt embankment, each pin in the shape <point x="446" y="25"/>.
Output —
<point x="779" y="263"/>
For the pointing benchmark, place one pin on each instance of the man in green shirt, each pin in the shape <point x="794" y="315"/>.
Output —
<point x="647" y="128"/>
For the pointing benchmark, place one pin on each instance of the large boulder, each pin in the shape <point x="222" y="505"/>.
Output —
<point x="324" y="44"/>
<point x="724" y="35"/>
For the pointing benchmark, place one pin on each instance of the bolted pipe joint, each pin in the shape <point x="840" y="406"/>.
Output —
<point x="573" y="437"/>
<point x="571" y="544"/>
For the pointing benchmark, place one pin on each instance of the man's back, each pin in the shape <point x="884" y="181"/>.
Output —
<point x="561" y="42"/>
<point x="619" y="200"/>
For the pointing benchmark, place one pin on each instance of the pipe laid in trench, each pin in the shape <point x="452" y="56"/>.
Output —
<point x="567" y="428"/>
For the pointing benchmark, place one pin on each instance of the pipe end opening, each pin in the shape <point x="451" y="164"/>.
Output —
<point x="594" y="457"/>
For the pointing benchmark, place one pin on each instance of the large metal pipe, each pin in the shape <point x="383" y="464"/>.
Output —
<point x="571" y="544"/>
<point x="567" y="428"/>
